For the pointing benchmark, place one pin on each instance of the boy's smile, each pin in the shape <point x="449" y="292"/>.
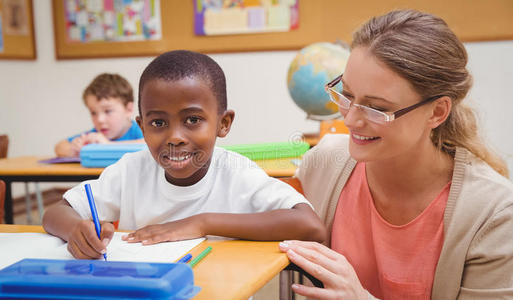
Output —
<point x="180" y="121"/>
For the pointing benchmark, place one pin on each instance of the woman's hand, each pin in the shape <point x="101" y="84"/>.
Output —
<point x="184" y="229"/>
<point x="332" y="268"/>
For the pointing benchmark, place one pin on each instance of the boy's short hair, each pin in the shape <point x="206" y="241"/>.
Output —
<point x="108" y="85"/>
<point x="179" y="64"/>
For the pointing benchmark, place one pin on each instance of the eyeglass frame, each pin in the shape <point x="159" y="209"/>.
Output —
<point x="390" y="116"/>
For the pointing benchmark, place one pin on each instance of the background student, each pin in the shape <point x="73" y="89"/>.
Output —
<point x="110" y="101"/>
<point x="417" y="207"/>
<point x="183" y="187"/>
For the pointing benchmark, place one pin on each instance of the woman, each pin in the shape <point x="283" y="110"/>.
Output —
<point x="417" y="206"/>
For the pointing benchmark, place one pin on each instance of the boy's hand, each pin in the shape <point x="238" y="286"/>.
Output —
<point x="97" y="138"/>
<point x="83" y="242"/>
<point x="185" y="229"/>
<point x="77" y="144"/>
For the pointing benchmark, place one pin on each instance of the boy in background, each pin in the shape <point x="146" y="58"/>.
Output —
<point x="182" y="186"/>
<point x="109" y="98"/>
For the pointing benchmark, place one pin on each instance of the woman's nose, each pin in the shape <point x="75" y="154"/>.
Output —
<point x="354" y="118"/>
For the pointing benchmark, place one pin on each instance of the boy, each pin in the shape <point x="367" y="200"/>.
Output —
<point x="110" y="101"/>
<point x="183" y="187"/>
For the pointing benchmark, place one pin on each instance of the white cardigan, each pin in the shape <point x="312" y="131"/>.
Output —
<point x="476" y="261"/>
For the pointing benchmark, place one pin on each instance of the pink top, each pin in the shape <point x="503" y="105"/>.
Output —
<point x="392" y="262"/>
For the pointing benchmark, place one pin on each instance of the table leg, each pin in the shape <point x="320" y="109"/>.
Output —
<point x="8" y="203"/>
<point x="286" y="280"/>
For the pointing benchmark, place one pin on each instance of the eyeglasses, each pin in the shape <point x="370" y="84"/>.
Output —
<point x="371" y="114"/>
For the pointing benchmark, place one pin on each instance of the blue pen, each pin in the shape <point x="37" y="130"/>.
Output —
<point x="97" y="226"/>
<point x="185" y="259"/>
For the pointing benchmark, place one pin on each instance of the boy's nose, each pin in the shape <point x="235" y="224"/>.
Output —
<point x="176" y="138"/>
<point x="101" y="118"/>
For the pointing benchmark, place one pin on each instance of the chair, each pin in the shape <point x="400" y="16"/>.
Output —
<point x="4" y="145"/>
<point x="2" y="200"/>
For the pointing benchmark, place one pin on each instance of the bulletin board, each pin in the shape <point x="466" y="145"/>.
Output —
<point x="17" y="30"/>
<point x="319" y="20"/>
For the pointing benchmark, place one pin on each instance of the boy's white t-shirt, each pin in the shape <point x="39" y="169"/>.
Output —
<point x="135" y="191"/>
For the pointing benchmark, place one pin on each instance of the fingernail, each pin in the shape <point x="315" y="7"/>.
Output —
<point x="291" y="252"/>
<point x="295" y="286"/>
<point x="105" y="242"/>
<point x="131" y="238"/>
<point x="103" y="251"/>
<point x="123" y="237"/>
<point x="284" y="244"/>
<point x="145" y="242"/>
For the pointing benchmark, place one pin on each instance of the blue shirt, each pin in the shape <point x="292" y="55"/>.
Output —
<point x="134" y="133"/>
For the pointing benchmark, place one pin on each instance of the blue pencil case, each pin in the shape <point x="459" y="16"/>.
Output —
<point x="96" y="279"/>
<point x="103" y="155"/>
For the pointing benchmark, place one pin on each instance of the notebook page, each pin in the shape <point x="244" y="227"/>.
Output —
<point x="16" y="246"/>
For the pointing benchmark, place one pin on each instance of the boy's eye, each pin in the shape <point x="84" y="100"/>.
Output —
<point x="93" y="113"/>
<point x="192" y="120"/>
<point x="158" y="123"/>
<point x="108" y="111"/>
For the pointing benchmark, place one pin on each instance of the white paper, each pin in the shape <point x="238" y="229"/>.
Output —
<point x="16" y="246"/>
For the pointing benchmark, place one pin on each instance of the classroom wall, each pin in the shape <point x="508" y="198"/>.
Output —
<point x="40" y="101"/>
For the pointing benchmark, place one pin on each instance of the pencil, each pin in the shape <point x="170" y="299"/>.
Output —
<point x="185" y="259"/>
<point x="94" y="213"/>
<point x="203" y="253"/>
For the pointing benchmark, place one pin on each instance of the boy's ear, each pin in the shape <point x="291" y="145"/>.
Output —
<point x="441" y="110"/>
<point x="225" y="123"/>
<point x="138" y="119"/>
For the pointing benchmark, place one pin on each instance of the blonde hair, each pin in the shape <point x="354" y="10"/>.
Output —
<point x="422" y="49"/>
<point x="108" y="85"/>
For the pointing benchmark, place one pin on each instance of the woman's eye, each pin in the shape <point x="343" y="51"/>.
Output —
<point x="192" y="120"/>
<point x="347" y="95"/>
<point x="158" y="123"/>
<point x="378" y="108"/>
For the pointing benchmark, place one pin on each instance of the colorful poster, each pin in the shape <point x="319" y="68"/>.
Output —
<point x="15" y="14"/>
<point x="214" y="17"/>
<point x="112" y="20"/>
<point x="1" y="36"/>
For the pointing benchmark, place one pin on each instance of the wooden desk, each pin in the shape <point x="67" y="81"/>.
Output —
<point x="28" y="169"/>
<point x="234" y="269"/>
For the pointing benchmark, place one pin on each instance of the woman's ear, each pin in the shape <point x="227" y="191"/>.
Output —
<point x="441" y="110"/>
<point x="225" y="123"/>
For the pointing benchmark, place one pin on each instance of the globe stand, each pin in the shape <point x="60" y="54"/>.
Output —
<point x="328" y="124"/>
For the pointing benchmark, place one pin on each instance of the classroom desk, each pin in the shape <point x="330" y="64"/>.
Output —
<point x="28" y="169"/>
<point x="234" y="269"/>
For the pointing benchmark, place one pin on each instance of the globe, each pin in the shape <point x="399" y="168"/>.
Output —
<point x="309" y="71"/>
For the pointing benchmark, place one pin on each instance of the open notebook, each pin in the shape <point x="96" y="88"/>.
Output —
<point x="16" y="246"/>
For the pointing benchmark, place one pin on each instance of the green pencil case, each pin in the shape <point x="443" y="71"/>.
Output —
<point x="270" y="150"/>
